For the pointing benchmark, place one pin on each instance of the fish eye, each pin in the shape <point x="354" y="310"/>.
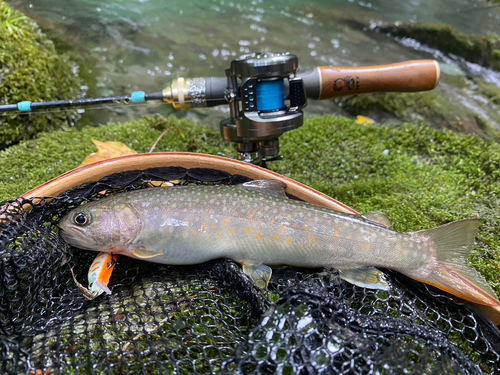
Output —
<point x="81" y="218"/>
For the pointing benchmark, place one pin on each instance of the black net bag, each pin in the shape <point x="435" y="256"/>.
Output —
<point x="210" y="318"/>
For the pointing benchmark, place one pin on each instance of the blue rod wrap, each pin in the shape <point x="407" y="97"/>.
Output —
<point x="138" y="96"/>
<point x="271" y="95"/>
<point x="24" y="106"/>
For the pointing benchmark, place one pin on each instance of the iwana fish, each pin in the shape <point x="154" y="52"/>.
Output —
<point x="257" y="226"/>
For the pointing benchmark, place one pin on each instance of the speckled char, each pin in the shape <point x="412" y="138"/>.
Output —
<point x="195" y="224"/>
<point x="255" y="225"/>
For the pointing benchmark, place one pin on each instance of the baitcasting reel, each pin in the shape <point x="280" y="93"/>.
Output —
<point x="266" y="96"/>
<point x="266" y="100"/>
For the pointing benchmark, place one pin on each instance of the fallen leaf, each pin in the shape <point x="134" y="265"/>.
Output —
<point x="107" y="150"/>
<point x="361" y="120"/>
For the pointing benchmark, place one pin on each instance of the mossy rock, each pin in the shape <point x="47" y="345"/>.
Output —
<point x="490" y="90"/>
<point x="479" y="49"/>
<point x="438" y="108"/>
<point x="420" y="177"/>
<point x="31" y="70"/>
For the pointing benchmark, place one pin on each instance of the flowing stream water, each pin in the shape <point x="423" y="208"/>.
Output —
<point x="141" y="45"/>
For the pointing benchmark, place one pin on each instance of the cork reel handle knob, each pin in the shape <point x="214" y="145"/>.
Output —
<point x="408" y="76"/>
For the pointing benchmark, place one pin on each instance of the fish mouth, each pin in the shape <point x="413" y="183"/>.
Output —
<point x="75" y="241"/>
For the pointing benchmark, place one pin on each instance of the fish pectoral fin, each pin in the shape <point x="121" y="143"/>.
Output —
<point x="378" y="218"/>
<point x="143" y="253"/>
<point x="274" y="188"/>
<point x="260" y="274"/>
<point x="365" y="277"/>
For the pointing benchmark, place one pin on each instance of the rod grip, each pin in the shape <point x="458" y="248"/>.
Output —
<point x="408" y="76"/>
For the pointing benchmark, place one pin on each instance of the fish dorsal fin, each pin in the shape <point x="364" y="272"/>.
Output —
<point x="365" y="277"/>
<point x="274" y="188"/>
<point x="378" y="218"/>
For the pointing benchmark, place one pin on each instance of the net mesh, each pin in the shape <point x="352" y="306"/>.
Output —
<point x="210" y="318"/>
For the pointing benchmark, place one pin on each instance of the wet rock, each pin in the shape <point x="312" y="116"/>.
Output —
<point x="479" y="49"/>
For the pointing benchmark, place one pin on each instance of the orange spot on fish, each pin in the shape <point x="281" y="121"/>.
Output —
<point x="233" y="231"/>
<point x="283" y="227"/>
<point x="313" y="239"/>
<point x="203" y="227"/>
<point x="305" y="227"/>
<point x="250" y="217"/>
<point x="226" y="222"/>
<point x="219" y="234"/>
<point x="336" y="235"/>
<point x="289" y="241"/>
<point x="275" y="237"/>
<point x="262" y="223"/>
<point x="349" y="237"/>
<point x="367" y="245"/>
<point x="214" y="225"/>
<point x="273" y="220"/>
<point x="301" y="244"/>
<point x="259" y="236"/>
<point x="248" y="229"/>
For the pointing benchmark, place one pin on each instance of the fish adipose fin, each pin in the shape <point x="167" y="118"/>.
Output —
<point x="366" y="277"/>
<point x="260" y="274"/>
<point x="451" y="271"/>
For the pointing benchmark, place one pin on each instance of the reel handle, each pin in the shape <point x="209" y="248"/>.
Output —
<point x="327" y="82"/>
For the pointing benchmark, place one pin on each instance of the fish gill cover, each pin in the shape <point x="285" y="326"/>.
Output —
<point x="209" y="318"/>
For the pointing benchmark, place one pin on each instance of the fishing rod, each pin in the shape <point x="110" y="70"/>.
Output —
<point x="266" y="95"/>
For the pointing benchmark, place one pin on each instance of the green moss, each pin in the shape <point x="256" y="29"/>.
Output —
<point x="431" y="107"/>
<point x="31" y="69"/>
<point x="401" y="105"/>
<point x="479" y="49"/>
<point x="420" y="177"/>
<point x="33" y="162"/>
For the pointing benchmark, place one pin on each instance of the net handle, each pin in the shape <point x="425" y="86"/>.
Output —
<point x="140" y="162"/>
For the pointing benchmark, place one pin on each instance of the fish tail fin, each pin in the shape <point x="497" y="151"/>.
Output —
<point x="451" y="271"/>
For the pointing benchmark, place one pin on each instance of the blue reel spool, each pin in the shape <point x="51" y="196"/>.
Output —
<point x="271" y="95"/>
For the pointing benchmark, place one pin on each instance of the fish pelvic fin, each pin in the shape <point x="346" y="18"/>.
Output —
<point x="450" y="270"/>
<point x="259" y="273"/>
<point x="366" y="277"/>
